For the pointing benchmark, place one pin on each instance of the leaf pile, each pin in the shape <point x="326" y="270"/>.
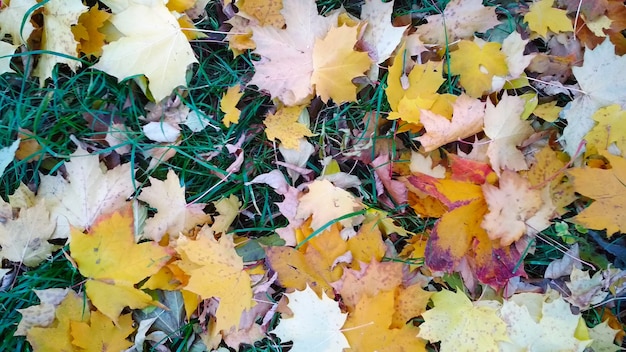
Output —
<point x="501" y="125"/>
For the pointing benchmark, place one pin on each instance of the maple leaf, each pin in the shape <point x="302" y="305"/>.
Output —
<point x="610" y="130"/>
<point x="477" y="63"/>
<point x="423" y="81"/>
<point x="152" y="44"/>
<point x="286" y="61"/>
<point x="549" y="168"/>
<point x="113" y="263"/>
<point x="371" y="280"/>
<point x="101" y="335"/>
<point x="267" y="13"/>
<point x="284" y="125"/>
<point x="41" y="315"/>
<point x="602" y="87"/>
<point x="315" y="324"/>
<point x="510" y="205"/>
<point x="466" y="121"/>
<point x="335" y="64"/>
<point x="381" y="37"/>
<point x="585" y="291"/>
<point x="57" y="37"/>
<point x="6" y="50"/>
<point x="56" y="336"/>
<point x="368" y="327"/>
<point x="542" y="16"/>
<point x="603" y="336"/>
<point x="459" y="20"/>
<point x="25" y="239"/>
<point x="215" y="270"/>
<point x="174" y="215"/>
<point x="326" y="202"/>
<point x="12" y="16"/>
<point x="458" y="233"/>
<point x="87" y="193"/>
<point x="91" y="40"/>
<point x="534" y="324"/>
<point x="607" y="188"/>
<point x="463" y="325"/>
<point x="228" y="105"/>
<point x="503" y="124"/>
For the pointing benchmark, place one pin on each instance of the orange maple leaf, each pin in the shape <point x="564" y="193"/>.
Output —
<point x="458" y="233"/>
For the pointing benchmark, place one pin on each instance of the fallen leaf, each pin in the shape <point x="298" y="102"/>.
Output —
<point x="174" y="216"/>
<point x="510" y="206"/>
<point x="381" y="37"/>
<point x="57" y="37"/>
<point x="535" y="324"/>
<point x="315" y="324"/>
<point x="12" y="18"/>
<point x="610" y="130"/>
<point x="477" y="62"/>
<point x="336" y="64"/>
<point x="286" y="61"/>
<point x="43" y="314"/>
<point x="284" y="125"/>
<point x="113" y="263"/>
<point x="368" y="327"/>
<point x="461" y="324"/>
<point x="228" y="105"/>
<point x="466" y="121"/>
<point x="101" y="335"/>
<point x="608" y="190"/>
<point x="325" y="202"/>
<point x="88" y="193"/>
<point x="25" y="239"/>
<point x="542" y="16"/>
<point x="215" y="270"/>
<point x="503" y="124"/>
<point x="152" y="44"/>
<point x="459" y="20"/>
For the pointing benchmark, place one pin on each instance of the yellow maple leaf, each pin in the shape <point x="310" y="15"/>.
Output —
<point x="56" y="336"/>
<point x="267" y="12"/>
<point x="57" y="37"/>
<point x="607" y="188"/>
<point x="610" y="129"/>
<point x="326" y="202"/>
<point x="549" y="168"/>
<point x="90" y="39"/>
<point x="542" y="16"/>
<point x="174" y="215"/>
<point x="228" y="105"/>
<point x="152" y="44"/>
<point x="215" y="270"/>
<point x="548" y="111"/>
<point x="101" y="335"/>
<point x="335" y="64"/>
<point x="284" y="125"/>
<point x="423" y="80"/>
<point x="368" y="327"/>
<point x="113" y="263"/>
<point x="477" y="65"/>
<point x="463" y="325"/>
